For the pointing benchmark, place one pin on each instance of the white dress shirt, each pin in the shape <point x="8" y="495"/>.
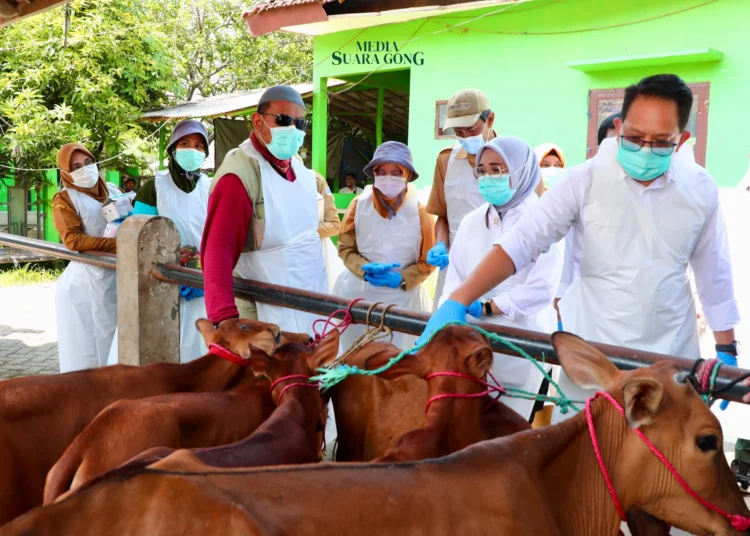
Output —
<point x="562" y="208"/>
<point x="346" y="190"/>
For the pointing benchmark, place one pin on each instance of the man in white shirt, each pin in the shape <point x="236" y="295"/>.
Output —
<point x="350" y="182"/>
<point x="641" y="217"/>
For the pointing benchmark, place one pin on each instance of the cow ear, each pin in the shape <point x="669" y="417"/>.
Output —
<point x="206" y="329"/>
<point x="325" y="351"/>
<point x="584" y="364"/>
<point x="642" y="398"/>
<point x="479" y="362"/>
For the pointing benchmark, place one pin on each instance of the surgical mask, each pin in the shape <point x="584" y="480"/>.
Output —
<point x="390" y="186"/>
<point x="189" y="159"/>
<point x="85" y="177"/>
<point x="472" y="144"/>
<point x="285" y="141"/>
<point x="643" y="165"/>
<point x="495" y="189"/>
<point x="551" y="175"/>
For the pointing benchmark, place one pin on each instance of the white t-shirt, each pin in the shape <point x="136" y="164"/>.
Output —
<point x="346" y="190"/>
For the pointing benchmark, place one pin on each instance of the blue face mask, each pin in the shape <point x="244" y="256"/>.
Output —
<point x="472" y="144"/>
<point x="495" y="189"/>
<point x="189" y="159"/>
<point x="285" y="141"/>
<point x="643" y="165"/>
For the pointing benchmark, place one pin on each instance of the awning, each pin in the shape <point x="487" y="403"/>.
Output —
<point x="15" y="10"/>
<point x="224" y="105"/>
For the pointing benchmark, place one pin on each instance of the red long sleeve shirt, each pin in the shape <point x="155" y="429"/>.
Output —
<point x="224" y="235"/>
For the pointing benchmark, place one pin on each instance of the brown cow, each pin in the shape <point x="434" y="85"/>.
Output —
<point x="374" y="412"/>
<point x="543" y="481"/>
<point x="294" y="431"/>
<point x="41" y="415"/>
<point x="184" y="420"/>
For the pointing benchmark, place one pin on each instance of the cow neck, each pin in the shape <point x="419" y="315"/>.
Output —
<point x="458" y="419"/>
<point x="209" y="373"/>
<point x="568" y="468"/>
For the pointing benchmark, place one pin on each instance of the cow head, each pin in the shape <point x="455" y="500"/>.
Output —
<point x="293" y="356"/>
<point x="454" y="349"/>
<point x="242" y="336"/>
<point x="664" y="405"/>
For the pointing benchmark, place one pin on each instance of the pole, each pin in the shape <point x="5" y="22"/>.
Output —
<point x="379" y="120"/>
<point x="162" y="148"/>
<point x="96" y="258"/>
<point x="537" y="345"/>
<point x="320" y="126"/>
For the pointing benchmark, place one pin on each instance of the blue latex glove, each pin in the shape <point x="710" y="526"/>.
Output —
<point x="727" y="359"/>
<point x="450" y="311"/>
<point x="191" y="293"/>
<point x="379" y="268"/>
<point x="438" y="256"/>
<point x="559" y="326"/>
<point x="475" y="309"/>
<point x="387" y="279"/>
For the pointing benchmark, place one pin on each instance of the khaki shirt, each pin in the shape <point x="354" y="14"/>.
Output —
<point x="70" y="227"/>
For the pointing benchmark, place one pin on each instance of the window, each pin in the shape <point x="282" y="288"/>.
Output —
<point x="603" y="103"/>
<point x="441" y="110"/>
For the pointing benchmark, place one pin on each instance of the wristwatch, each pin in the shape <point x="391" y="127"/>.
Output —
<point x="487" y="305"/>
<point x="732" y="349"/>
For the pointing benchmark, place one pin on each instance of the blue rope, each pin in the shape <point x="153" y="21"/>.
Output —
<point x="329" y="377"/>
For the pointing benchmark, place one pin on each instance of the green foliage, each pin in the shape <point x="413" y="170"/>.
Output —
<point x="88" y="86"/>
<point x="28" y="274"/>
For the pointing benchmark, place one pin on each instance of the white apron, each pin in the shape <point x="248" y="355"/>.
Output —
<point x="634" y="290"/>
<point x="291" y="253"/>
<point x="379" y="239"/>
<point x="509" y="371"/>
<point x="86" y="300"/>
<point x="461" y="197"/>
<point x="334" y="265"/>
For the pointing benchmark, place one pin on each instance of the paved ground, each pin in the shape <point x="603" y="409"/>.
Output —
<point x="28" y="333"/>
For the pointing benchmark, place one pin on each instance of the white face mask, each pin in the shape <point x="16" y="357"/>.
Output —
<point x="85" y="177"/>
<point x="390" y="186"/>
<point x="472" y="144"/>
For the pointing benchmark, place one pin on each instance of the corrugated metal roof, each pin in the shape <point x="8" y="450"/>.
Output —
<point x="268" y="5"/>
<point x="14" y="10"/>
<point x="222" y="105"/>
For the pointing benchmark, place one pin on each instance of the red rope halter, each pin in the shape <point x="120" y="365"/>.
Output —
<point x="296" y="384"/>
<point x="490" y="388"/>
<point x="738" y="522"/>
<point x="329" y="326"/>
<point x="220" y="351"/>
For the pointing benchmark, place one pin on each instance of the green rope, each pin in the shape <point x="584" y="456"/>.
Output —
<point x="711" y="384"/>
<point x="332" y="376"/>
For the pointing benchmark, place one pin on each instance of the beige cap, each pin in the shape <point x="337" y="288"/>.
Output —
<point x="465" y="107"/>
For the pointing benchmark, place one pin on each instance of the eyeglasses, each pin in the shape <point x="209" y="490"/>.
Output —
<point x="658" y="147"/>
<point x="87" y="162"/>
<point x="284" y="120"/>
<point x="495" y="170"/>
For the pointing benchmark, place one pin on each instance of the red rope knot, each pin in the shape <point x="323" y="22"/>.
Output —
<point x="738" y="522"/>
<point x="329" y="325"/>
<point x="296" y="384"/>
<point x="498" y="389"/>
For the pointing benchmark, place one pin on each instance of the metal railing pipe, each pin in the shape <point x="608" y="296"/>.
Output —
<point x="95" y="258"/>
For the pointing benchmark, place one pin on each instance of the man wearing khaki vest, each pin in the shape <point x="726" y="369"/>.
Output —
<point x="263" y="219"/>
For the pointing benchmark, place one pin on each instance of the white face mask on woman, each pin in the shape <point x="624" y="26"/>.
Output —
<point x="390" y="185"/>
<point x="85" y="177"/>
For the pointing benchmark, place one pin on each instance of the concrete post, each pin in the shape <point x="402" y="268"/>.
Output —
<point x="148" y="311"/>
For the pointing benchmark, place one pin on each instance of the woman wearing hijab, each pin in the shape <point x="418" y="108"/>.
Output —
<point x="384" y="239"/>
<point x="551" y="163"/>
<point x="508" y="173"/>
<point x="86" y="301"/>
<point x="180" y="193"/>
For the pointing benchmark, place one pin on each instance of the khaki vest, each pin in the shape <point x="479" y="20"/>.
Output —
<point x="238" y="162"/>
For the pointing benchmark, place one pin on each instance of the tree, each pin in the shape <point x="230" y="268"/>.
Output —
<point x="215" y="54"/>
<point x="88" y="84"/>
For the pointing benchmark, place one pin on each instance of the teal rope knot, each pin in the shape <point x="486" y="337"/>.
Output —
<point x="330" y="377"/>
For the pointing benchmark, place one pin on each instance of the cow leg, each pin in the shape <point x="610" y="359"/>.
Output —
<point x="641" y="523"/>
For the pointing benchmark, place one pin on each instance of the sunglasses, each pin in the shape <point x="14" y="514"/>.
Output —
<point x="284" y="120"/>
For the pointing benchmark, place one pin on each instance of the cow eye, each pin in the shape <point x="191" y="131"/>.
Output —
<point x="277" y="337"/>
<point x="707" y="443"/>
<point x="244" y="327"/>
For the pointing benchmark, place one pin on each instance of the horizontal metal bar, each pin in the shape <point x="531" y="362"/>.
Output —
<point x="537" y="345"/>
<point x="95" y="258"/>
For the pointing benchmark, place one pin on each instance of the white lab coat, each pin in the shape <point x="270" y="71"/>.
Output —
<point x="334" y="265"/>
<point x="526" y="298"/>
<point x="387" y="241"/>
<point x="461" y="197"/>
<point x="633" y="289"/>
<point x="291" y="253"/>
<point x="86" y="299"/>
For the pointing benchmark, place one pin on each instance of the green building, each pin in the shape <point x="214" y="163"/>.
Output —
<point x="552" y="69"/>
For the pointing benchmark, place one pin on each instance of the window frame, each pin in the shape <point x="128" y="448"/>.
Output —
<point x="439" y="134"/>
<point x="702" y="89"/>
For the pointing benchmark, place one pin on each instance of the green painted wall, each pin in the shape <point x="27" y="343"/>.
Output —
<point x="519" y="56"/>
